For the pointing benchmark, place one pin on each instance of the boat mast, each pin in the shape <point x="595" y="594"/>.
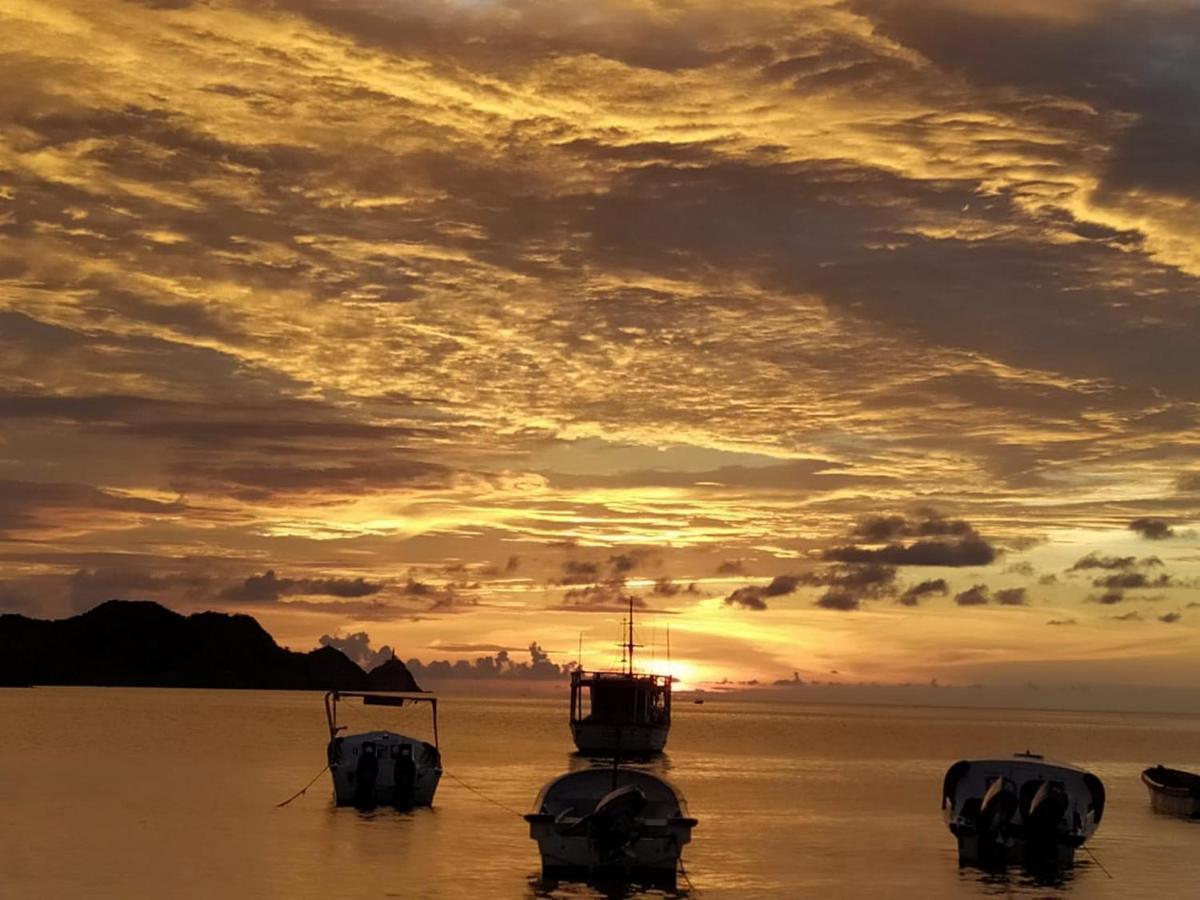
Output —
<point x="629" y="645"/>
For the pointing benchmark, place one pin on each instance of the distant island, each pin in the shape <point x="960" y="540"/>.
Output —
<point x="142" y="644"/>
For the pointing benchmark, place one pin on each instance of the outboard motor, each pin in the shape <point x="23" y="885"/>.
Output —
<point x="404" y="779"/>
<point x="613" y="825"/>
<point x="1047" y="804"/>
<point x="366" y="773"/>
<point x="996" y="812"/>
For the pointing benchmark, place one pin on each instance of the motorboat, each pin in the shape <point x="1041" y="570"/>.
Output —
<point x="382" y="768"/>
<point x="621" y="713"/>
<point x="610" y="821"/>
<point x="1020" y="809"/>
<point x="1173" y="791"/>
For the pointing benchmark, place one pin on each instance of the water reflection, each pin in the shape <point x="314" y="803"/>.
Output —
<point x="609" y="888"/>
<point x="1021" y="879"/>
<point x="658" y="764"/>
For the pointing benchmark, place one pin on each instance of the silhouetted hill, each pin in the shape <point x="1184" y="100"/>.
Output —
<point x="142" y="644"/>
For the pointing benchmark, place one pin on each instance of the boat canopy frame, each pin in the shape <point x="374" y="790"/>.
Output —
<point x="378" y="698"/>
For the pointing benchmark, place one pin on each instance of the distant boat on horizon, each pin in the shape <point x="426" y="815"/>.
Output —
<point x="624" y="713"/>
<point x="1173" y="791"/>
<point x="382" y="768"/>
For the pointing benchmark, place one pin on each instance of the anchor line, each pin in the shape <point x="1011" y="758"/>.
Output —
<point x="1096" y="860"/>
<point x="303" y="789"/>
<point x="683" y="872"/>
<point x="480" y="793"/>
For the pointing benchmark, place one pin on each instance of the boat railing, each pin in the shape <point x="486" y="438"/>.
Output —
<point x="378" y="698"/>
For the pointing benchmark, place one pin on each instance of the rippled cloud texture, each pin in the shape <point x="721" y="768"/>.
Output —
<point x="834" y="334"/>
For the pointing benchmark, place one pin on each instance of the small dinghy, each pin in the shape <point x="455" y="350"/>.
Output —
<point x="382" y="768"/>
<point x="1173" y="791"/>
<point x="617" y="821"/>
<point x="1020" y="809"/>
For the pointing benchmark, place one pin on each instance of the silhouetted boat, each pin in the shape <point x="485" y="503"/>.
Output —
<point x="610" y="821"/>
<point x="1020" y="809"/>
<point x="620" y="713"/>
<point x="1173" y="791"/>
<point x="382" y="768"/>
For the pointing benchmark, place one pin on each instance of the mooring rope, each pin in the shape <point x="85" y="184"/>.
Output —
<point x="1096" y="860"/>
<point x="303" y="789"/>
<point x="480" y="793"/>
<point x="683" y="872"/>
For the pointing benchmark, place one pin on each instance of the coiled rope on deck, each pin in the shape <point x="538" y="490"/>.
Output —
<point x="303" y="789"/>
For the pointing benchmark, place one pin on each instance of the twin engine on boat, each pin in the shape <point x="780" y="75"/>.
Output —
<point x="380" y="768"/>
<point x="1020" y="809"/>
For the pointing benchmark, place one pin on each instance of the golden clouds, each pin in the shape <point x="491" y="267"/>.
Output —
<point x="387" y="284"/>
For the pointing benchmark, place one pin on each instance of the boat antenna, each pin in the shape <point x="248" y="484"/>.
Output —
<point x="669" y="675"/>
<point x="579" y="657"/>
<point x="630" y="644"/>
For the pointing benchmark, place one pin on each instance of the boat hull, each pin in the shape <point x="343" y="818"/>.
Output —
<point x="656" y="852"/>
<point x="405" y="774"/>
<point x="605" y="739"/>
<point x="1181" y="798"/>
<point x="975" y="850"/>
<point x="600" y="822"/>
<point x="1020" y="810"/>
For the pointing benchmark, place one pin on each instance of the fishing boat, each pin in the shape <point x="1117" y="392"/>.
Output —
<point x="1173" y="791"/>
<point x="610" y="821"/>
<point x="623" y="713"/>
<point x="1020" y="809"/>
<point x="382" y="768"/>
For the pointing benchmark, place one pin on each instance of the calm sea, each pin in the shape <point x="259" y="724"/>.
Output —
<point x="109" y="793"/>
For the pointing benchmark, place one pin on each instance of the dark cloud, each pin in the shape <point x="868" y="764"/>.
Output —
<point x="30" y="505"/>
<point x="579" y="572"/>
<point x="623" y="563"/>
<point x="1188" y="483"/>
<point x="1132" y="580"/>
<point x="1113" y="56"/>
<point x="1132" y="616"/>
<point x="1011" y="597"/>
<point x="979" y="595"/>
<point x="914" y="594"/>
<point x="1170" y="618"/>
<point x="268" y="587"/>
<point x="972" y="552"/>
<point x="927" y="523"/>
<point x="839" y="599"/>
<point x="1062" y="622"/>
<point x="1108" y="598"/>
<point x="754" y="596"/>
<point x="665" y="587"/>
<point x="1152" y="529"/>
<point x="731" y="567"/>
<point x="603" y="596"/>
<point x="1094" y="561"/>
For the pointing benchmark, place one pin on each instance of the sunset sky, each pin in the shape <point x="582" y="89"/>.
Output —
<point x="847" y="337"/>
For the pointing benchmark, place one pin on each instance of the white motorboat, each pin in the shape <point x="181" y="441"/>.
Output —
<point x="605" y="821"/>
<point x="382" y="768"/>
<point x="1020" y="809"/>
